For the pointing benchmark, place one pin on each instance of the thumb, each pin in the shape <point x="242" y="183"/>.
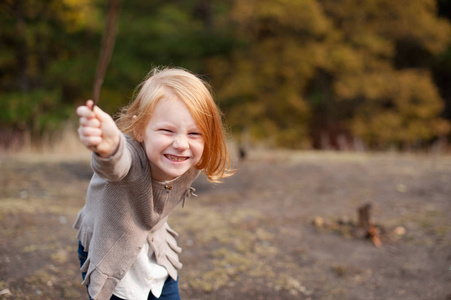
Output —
<point x="90" y="104"/>
<point x="100" y="114"/>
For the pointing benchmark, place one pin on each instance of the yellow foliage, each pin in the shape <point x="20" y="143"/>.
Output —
<point x="80" y="14"/>
<point x="406" y="112"/>
<point x="391" y="20"/>
<point x="332" y="57"/>
<point x="344" y="59"/>
<point x="304" y="15"/>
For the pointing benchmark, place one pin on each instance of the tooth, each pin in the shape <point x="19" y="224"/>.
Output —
<point x="176" y="158"/>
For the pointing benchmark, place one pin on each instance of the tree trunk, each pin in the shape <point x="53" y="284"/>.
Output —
<point x="21" y="47"/>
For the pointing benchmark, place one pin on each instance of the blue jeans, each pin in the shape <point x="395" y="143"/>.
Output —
<point x="170" y="288"/>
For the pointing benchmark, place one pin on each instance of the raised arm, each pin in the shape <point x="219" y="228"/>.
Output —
<point x="97" y="130"/>
<point x="99" y="133"/>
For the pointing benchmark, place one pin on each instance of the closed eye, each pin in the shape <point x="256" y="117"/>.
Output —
<point x="165" y="130"/>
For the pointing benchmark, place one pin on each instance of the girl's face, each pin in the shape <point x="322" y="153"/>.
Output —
<point x="172" y="139"/>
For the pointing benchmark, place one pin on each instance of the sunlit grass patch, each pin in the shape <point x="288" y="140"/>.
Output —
<point x="14" y="206"/>
<point x="239" y="245"/>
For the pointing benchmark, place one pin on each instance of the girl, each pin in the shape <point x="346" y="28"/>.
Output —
<point x="143" y="168"/>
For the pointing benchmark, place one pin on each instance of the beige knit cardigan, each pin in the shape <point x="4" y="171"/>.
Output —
<point x="124" y="207"/>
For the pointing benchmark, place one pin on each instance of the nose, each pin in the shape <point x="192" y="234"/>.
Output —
<point x="180" y="143"/>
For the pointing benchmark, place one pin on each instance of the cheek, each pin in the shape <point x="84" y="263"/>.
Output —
<point x="200" y="146"/>
<point x="154" y="145"/>
<point x="197" y="147"/>
<point x="156" y="140"/>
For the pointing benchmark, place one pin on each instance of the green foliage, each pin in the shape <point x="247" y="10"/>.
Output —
<point x="41" y="63"/>
<point x="158" y="33"/>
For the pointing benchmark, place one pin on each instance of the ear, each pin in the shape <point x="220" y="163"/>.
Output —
<point x="138" y="135"/>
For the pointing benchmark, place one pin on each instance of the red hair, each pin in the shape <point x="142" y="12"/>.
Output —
<point x="195" y="94"/>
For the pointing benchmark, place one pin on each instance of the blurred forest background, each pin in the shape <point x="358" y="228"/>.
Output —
<point x="301" y="74"/>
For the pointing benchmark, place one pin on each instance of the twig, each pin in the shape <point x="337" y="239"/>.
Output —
<point x="107" y="47"/>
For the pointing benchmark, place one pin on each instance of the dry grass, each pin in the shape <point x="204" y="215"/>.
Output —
<point x="66" y="146"/>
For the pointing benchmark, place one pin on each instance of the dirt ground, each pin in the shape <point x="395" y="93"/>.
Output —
<point x="283" y="227"/>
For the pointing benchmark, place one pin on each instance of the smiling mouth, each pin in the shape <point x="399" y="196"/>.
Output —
<point x="175" y="158"/>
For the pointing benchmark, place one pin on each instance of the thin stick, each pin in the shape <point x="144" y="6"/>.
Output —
<point x="107" y="47"/>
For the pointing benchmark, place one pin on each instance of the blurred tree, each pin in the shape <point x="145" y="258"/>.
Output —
<point x="41" y="64"/>
<point x="442" y="65"/>
<point x="160" y="33"/>
<point x="261" y="84"/>
<point x="307" y="68"/>
<point x="49" y="50"/>
<point x="289" y="72"/>
<point x="391" y="46"/>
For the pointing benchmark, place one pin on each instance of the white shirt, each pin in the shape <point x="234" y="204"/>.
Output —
<point x="144" y="276"/>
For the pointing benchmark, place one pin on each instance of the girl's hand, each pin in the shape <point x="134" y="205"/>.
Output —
<point x="97" y="130"/>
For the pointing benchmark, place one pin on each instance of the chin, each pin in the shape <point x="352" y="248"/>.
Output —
<point x="177" y="173"/>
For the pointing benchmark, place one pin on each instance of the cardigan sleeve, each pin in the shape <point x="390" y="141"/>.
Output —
<point x="117" y="166"/>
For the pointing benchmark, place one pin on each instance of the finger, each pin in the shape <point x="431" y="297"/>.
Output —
<point x="90" y="104"/>
<point x="84" y="111"/>
<point x="101" y="115"/>
<point x="91" y="141"/>
<point x="90" y="132"/>
<point x="89" y="122"/>
<point x="85" y="133"/>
